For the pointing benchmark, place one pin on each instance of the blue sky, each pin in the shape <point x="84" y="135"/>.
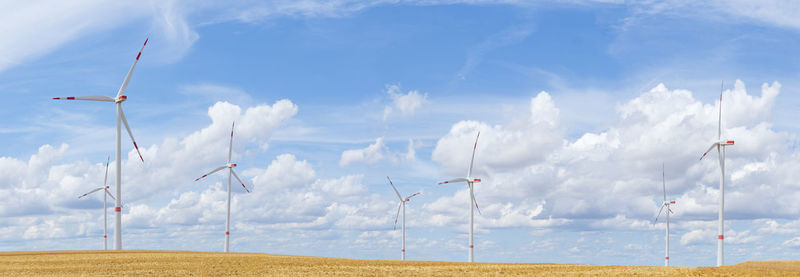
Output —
<point x="578" y="102"/>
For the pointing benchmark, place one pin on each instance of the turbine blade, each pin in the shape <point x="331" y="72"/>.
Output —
<point x="110" y="195"/>
<point x="90" y="192"/>
<point x="719" y="125"/>
<point x="128" y="127"/>
<point x="90" y="98"/>
<point x="395" y="189"/>
<point x="476" y="201"/>
<point x="457" y="180"/>
<point x="663" y="183"/>
<point x="230" y="148"/>
<point x="670" y="211"/>
<point x="415" y="194"/>
<point x="659" y="213"/>
<point x="212" y="172"/>
<point x="471" y="161"/>
<point x="130" y="72"/>
<point x="709" y="149"/>
<point x="397" y="215"/>
<point x="240" y="180"/>
<point x="105" y="179"/>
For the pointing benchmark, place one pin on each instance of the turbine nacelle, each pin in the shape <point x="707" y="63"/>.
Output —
<point x="120" y="99"/>
<point x="231" y="165"/>
<point x="669" y="202"/>
<point x="725" y="142"/>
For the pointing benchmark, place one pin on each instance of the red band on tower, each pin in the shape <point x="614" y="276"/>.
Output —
<point x="118" y="209"/>
<point x="720" y="237"/>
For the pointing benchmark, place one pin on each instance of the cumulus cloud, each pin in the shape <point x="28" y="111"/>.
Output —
<point x="613" y="176"/>
<point x="371" y="154"/>
<point x="502" y="147"/>
<point x="405" y="103"/>
<point x="44" y="187"/>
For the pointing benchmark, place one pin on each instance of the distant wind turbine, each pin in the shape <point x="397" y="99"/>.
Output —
<point x="121" y="97"/>
<point x="667" y="212"/>
<point x="403" y="205"/>
<point x="230" y="167"/>
<point x="720" y="145"/>
<point x="470" y="182"/>
<point x="105" y="213"/>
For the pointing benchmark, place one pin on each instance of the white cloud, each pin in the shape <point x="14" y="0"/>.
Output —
<point x="285" y="172"/>
<point x="371" y="154"/>
<point x="522" y="142"/>
<point x="407" y="103"/>
<point x="43" y="187"/>
<point x="411" y="154"/>
<point x="794" y="242"/>
<point x="612" y="176"/>
<point x="37" y="28"/>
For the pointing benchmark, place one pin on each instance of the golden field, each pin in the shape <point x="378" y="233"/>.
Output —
<point x="170" y="263"/>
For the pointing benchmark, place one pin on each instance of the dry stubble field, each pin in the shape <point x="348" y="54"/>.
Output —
<point x="169" y="263"/>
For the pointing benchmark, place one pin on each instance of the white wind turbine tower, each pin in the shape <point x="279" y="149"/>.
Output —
<point x="403" y="205"/>
<point x="667" y="212"/>
<point x="121" y="97"/>
<point x="720" y="145"/>
<point x="470" y="182"/>
<point x="105" y="198"/>
<point x="230" y="167"/>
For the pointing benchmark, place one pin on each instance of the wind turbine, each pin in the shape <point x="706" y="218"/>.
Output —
<point x="105" y="214"/>
<point x="230" y="167"/>
<point x="470" y="181"/>
<point x="668" y="211"/>
<point x="121" y="97"/>
<point x="720" y="145"/>
<point x="403" y="205"/>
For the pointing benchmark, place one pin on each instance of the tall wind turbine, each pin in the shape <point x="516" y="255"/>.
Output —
<point x="230" y="167"/>
<point x="403" y="205"/>
<point x="667" y="212"/>
<point x="720" y="145"/>
<point x="105" y="213"/>
<point x="470" y="182"/>
<point x="121" y="97"/>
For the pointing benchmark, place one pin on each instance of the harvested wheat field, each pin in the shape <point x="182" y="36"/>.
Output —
<point x="143" y="262"/>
